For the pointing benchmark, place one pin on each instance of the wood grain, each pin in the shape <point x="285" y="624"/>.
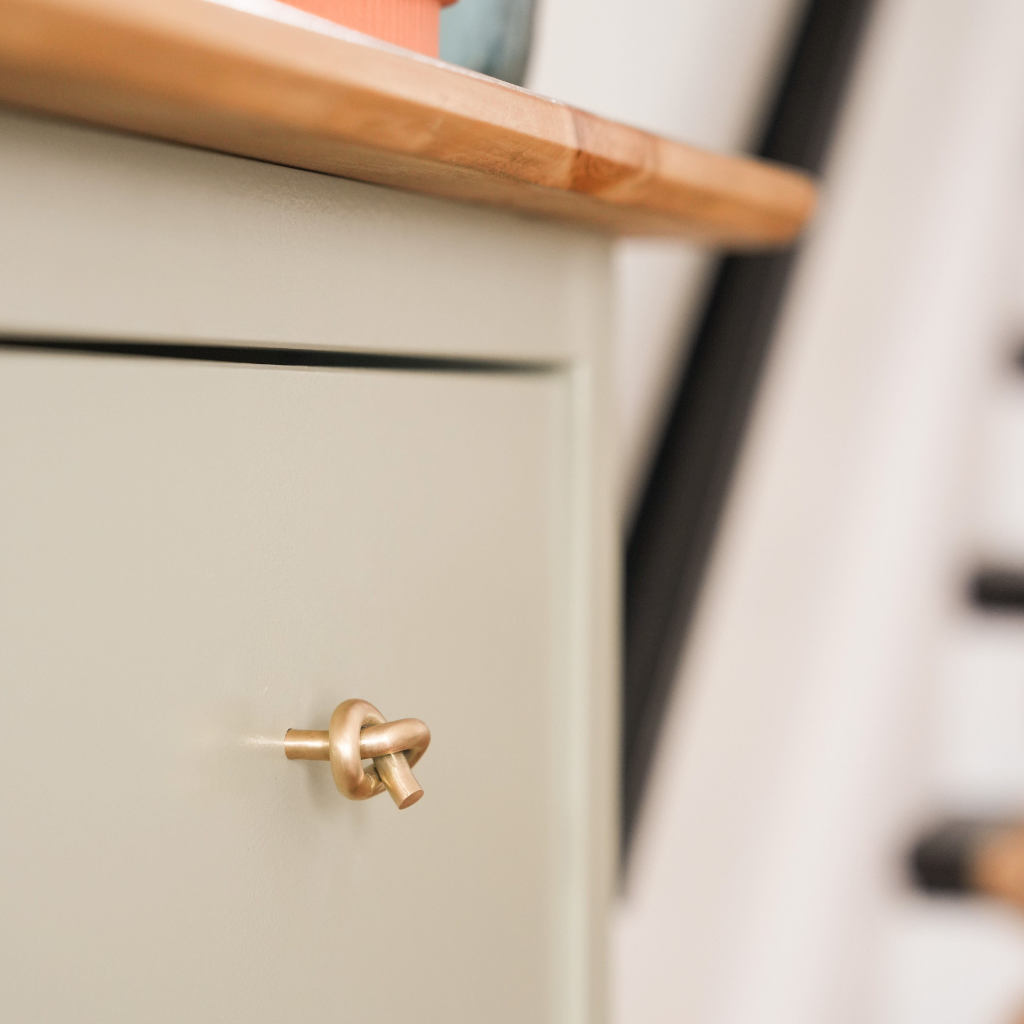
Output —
<point x="206" y="75"/>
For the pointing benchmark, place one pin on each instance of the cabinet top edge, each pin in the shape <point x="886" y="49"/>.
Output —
<point x="203" y="74"/>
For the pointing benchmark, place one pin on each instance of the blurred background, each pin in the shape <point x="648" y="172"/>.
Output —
<point x="851" y="673"/>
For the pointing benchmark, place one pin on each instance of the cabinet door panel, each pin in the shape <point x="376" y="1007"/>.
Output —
<point x="195" y="557"/>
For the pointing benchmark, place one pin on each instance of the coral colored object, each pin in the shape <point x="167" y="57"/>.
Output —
<point x="410" y="23"/>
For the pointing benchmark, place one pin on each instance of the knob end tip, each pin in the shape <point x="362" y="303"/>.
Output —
<point x="409" y="800"/>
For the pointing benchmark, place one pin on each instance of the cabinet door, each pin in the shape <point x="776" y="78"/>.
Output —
<point x="195" y="557"/>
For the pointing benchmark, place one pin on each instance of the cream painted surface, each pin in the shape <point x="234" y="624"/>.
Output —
<point x="196" y="557"/>
<point x="121" y="237"/>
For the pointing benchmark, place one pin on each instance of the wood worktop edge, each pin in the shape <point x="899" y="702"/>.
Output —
<point x="199" y="73"/>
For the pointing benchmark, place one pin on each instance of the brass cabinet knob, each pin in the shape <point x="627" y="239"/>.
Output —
<point x="359" y="731"/>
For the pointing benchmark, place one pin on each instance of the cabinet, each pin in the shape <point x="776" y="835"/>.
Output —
<point x="215" y="525"/>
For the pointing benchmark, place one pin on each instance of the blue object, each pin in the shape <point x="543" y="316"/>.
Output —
<point x="489" y="36"/>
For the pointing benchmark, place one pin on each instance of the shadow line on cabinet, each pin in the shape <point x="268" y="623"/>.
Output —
<point x="280" y="356"/>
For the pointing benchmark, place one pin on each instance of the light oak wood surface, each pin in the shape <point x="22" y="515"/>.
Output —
<point x="198" y="73"/>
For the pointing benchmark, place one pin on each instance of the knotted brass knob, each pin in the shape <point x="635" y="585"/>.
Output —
<point x="358" y="731"/>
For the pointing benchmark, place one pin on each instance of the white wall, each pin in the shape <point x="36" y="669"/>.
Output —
<point x="798" y="755"/>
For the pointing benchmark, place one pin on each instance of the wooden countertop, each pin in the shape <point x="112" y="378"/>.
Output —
<point x="210" y="76"/>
